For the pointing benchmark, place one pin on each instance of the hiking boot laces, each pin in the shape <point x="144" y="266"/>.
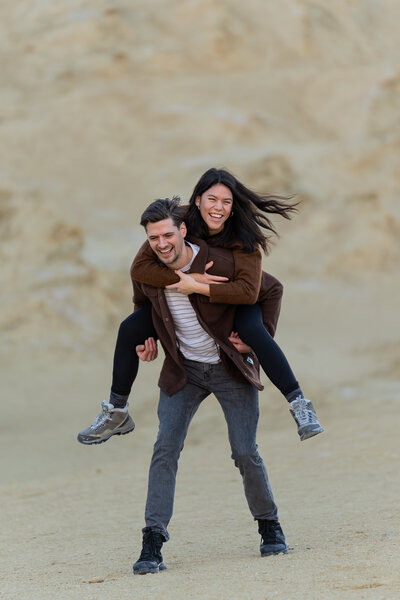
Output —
<point x="151" y="547"/>
<point x="102" y="417"/>
<point x="300" y="410"/>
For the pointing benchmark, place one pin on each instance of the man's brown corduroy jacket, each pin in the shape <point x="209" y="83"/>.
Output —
<point x="217" y="319"/>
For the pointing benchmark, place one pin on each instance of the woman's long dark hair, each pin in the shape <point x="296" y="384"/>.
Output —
<point x="247" y="217"/>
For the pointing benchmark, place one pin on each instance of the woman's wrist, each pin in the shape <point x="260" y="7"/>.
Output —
<point x="202" y="288"/>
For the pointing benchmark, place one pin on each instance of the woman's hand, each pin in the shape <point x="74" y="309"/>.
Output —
<point x="206" y="277"/>
<point x="147" y="351"/>
<point x="239" y="344"/>
<point x="188" y="285"/>
<point x="195" y="283"/>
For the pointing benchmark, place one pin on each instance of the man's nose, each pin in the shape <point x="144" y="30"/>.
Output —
<point x="162" y="242"/>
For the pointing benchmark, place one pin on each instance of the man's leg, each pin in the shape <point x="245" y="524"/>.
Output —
<point x="175" y="414"/>
<point x="239" y="401"/>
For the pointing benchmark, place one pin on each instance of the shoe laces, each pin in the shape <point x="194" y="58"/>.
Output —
<point x="102" y="417"/>
<point x="269" y="530"/>
<point x="151" y="546"/>
<point x="300" y="409"/>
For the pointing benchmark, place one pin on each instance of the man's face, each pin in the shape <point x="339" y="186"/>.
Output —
<point x="168" y="242"/>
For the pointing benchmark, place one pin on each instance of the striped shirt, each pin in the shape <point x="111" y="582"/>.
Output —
<point x="193" y="341"/>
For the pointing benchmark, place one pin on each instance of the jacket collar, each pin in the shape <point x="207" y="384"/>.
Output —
<point x="199" y="263"/>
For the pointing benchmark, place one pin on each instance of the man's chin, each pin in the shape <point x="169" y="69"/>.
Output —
<point x="168" y="262"/>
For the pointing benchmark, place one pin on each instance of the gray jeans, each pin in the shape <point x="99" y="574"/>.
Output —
<point x="239" y="401"/>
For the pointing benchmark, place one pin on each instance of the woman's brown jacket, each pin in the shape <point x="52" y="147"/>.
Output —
<point x="216" y="318"/>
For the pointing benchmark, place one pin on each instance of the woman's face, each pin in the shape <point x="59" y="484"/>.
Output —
<point x="215" y="206"/>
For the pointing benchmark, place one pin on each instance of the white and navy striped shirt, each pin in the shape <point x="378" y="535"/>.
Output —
<point x="193" y="341"/>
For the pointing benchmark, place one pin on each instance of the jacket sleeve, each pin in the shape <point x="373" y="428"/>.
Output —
<point x="245" y="287"/>
<point x="146" y="268"/>
<point x="139" y="297"/>
<point x="270" y="299"/>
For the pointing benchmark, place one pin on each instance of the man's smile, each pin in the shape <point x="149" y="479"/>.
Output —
<point x="166" y="253"/>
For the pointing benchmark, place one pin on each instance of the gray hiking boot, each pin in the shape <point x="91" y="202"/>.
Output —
<point x="303" y="412"/>
<point x="111" y="421"/>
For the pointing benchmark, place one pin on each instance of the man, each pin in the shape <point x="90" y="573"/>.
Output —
<point x="199" y="360"/>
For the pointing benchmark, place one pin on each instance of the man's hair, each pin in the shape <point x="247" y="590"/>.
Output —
<point x="163" y="209"/>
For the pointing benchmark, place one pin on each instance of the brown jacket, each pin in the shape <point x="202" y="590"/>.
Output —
<point x="216" y="318"/>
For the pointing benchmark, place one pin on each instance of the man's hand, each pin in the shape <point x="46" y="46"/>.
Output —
<point x="147" y="351"/>
<point x="239" y="344"/>
<point x="206" y="278"/>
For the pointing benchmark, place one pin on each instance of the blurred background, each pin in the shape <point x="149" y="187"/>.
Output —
<point x="107" y="105"/>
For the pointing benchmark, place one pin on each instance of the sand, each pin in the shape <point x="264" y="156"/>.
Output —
<point x="105" y="106"/>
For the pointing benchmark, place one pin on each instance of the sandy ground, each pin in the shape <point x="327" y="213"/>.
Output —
<point x="105" y="106"/>
<point x="72" y="515"/>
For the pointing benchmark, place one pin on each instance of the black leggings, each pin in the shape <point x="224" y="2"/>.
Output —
<point x="251" y="329"/>
<point x="136" y="328"/>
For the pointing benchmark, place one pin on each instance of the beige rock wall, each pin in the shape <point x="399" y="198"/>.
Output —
<point x="107" y="105"/>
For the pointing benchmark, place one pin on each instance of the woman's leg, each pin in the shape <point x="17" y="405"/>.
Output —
<point x="114" y="418"/>
<point x="134" y="330"/>
<point x="251" y="329"/>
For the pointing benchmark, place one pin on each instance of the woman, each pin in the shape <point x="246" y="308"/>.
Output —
<point x="225" y="213"/>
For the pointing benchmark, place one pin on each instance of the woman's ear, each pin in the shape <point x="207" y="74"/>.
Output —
<point x="197" y="202"/>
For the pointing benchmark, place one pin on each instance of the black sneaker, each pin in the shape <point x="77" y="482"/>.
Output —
<point x="272" y="538"/>
<point x="150" y="559"/>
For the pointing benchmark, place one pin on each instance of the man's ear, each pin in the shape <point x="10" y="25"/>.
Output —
<point x="183" y="229"/>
